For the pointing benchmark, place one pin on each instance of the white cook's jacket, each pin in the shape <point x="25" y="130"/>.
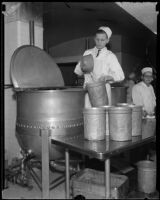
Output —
<point x="144" y="95"/>
<point x="105" y="64"/>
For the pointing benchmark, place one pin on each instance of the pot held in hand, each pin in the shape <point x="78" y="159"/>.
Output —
<point x="87" y="63"/>
<point x="97" y="93"/>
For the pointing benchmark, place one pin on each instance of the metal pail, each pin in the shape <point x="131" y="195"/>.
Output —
<point x="87" y="63"/>
<point x="107" y="119"/>
<point x="146" y="176"/>
<point x="97" y="93"/>
<point x="136" y="118"/>
<point x="120" y="123"/>
<point x="148" y="127"/>
<point x="119" y="94"/>
<point x="94" y="123"/>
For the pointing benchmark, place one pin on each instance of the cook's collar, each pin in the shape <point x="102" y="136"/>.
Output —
<point x="103" y="49"/>
<point x="145" y="84"/>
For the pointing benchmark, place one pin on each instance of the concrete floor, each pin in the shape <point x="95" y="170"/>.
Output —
<point x="17" y="192"/>
<point x="14" y="191"/>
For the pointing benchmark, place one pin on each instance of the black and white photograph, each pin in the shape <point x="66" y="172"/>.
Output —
<point x="79" y="100"/>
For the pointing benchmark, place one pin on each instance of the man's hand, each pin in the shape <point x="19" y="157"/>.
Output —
<point x="144" y="113"/>
<point x="102" y="78"/>
<point x="109" y="78"/>
<point x="151" y="114"/>
<point x="106" y="78"/>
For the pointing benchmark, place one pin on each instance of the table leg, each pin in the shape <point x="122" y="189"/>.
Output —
<point x="107" y="179"/>
<point x="45" y="163"/>
<point x="67" y="174"/>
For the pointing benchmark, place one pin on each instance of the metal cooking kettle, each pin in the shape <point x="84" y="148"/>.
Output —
<point x="60" y="111"/>
<point x="42" y="100"/>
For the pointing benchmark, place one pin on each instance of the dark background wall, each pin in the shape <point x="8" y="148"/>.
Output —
<point x="66" y="30"/>
<point x="129" y="51"/>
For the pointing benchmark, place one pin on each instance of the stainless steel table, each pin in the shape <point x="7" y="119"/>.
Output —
<point x="102" y="150"/>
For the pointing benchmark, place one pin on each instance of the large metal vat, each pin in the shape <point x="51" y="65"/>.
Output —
<point x="58" y="109"/>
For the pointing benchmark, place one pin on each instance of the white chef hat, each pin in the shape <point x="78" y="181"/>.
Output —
<point x="107" y="30"/>
<point x="147" y="69"/>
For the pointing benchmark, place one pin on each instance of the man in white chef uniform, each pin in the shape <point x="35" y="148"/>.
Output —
<point x="143" y="93"/>
<point x="106" y="65"/>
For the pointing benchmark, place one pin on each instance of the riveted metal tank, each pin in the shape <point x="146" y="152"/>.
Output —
<point x="43" y="102"/>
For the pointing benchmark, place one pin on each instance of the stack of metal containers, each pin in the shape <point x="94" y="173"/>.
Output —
<point x="117" y="122"/>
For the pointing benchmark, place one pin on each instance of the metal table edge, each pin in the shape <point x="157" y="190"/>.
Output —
<point x="102" y="155"/>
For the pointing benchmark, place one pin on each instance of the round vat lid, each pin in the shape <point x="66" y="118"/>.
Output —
<point x="32" y="67"/>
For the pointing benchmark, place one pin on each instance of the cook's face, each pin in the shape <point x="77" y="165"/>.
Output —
<point x="147" y="78"/>
<point x="101" y="40"/>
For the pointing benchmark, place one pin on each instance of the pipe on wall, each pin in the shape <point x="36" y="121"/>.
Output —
<point x="31" y="32"/>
